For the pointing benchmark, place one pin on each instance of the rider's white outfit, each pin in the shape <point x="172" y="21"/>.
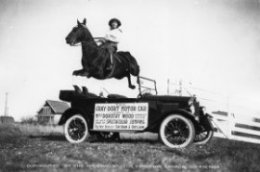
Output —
<point x="114" y="35"/>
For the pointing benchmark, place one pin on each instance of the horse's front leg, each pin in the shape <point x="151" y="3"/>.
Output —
<point x="77" y="72"/>
<point x="81" y="72"/>
<point x="130" y="85"/>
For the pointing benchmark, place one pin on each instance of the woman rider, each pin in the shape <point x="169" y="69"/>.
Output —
<point x="112" y="38"/>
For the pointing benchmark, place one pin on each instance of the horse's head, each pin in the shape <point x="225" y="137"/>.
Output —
<point x="78" y="34"/>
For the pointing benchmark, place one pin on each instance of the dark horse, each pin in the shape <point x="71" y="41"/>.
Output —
<point x="96" y="59"/>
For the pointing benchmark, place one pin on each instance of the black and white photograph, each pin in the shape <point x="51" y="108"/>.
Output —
<point x="129" y="85"/>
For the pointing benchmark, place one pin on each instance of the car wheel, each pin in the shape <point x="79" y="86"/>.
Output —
<point x="203" y="137"/>
<point x="109" y="136"/>
<point x="76" y="129"/>
<point x="176" y="131"/>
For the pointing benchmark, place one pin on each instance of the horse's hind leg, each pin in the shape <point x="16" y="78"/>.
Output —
<point x="130" y="85"/>
<point x="138" y="79"/>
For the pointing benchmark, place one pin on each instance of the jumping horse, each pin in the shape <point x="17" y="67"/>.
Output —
<point x="96" y="59"/>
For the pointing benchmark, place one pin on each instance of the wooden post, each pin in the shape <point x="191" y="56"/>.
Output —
<point x="168" y="86"/>
<point x="6" y="104"/>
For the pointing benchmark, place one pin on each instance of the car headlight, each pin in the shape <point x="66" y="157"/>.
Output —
<point x="192" y="109"/>
<point x="190" y="102"/>
<point x="204" y="110"/>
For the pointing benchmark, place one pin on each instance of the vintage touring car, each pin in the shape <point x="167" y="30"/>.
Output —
<point x="178" y="120"/>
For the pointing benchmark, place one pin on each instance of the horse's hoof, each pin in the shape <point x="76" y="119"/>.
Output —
<point x="75" y="73"/>
<point x="132" y="86"/>
<point x="86" y="74"/>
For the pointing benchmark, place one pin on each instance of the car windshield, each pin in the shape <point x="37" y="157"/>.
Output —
<point x="147" y="86"/>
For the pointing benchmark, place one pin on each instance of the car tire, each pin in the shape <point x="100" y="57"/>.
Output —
<point x="203" y="137"/>
<point x="76" y="129"/>
<point x="177" y="131"/>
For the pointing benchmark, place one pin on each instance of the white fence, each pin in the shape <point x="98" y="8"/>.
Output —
<point x="242" y="129"/>
<point x="242" y="125"/>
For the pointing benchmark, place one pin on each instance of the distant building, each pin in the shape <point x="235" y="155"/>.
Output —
<point x="6" y="119"/>
<point x="51" y="112"/>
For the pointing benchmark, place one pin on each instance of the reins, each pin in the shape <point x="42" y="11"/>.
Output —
<point x="76" y="45"/>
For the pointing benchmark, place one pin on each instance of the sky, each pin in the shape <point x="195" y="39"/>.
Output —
<point x="213" y="46"/>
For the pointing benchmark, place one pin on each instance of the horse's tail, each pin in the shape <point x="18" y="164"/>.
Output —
<point x="134" y="68"/>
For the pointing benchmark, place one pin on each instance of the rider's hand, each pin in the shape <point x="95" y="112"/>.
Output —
<point x="103" y="40"/>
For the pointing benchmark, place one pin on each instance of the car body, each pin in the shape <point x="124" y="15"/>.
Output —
<point x="146" y="113"/>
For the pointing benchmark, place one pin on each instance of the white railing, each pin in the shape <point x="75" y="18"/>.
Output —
<point x="235" y="127"/>
<point x="241" y="129"/>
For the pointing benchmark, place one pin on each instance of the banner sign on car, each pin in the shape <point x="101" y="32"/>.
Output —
<point x="121" y="116"/>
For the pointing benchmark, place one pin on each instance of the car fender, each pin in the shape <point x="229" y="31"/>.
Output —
<point x="155" y="125"/>
<point x="70" y="112"/>
<point x="206" y="122"/>
<point x="182" y="112"/>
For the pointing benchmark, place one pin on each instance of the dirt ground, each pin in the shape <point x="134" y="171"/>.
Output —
<point x="20" y="151"/>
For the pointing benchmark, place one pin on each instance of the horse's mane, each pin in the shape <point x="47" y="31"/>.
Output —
<point x="89" y="35"/>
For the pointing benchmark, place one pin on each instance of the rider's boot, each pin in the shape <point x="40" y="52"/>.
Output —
<point x="111" y="62"/>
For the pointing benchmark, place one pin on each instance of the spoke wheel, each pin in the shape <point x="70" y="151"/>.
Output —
<point x="203" y="137"/>
<point x="176" y="131"/>
<point x="76" y="129"/>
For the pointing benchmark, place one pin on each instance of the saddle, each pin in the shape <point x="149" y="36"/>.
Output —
<point x="111" y="49"/>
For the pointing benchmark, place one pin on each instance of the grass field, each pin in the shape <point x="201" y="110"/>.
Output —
<point x="38" y="148"/>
